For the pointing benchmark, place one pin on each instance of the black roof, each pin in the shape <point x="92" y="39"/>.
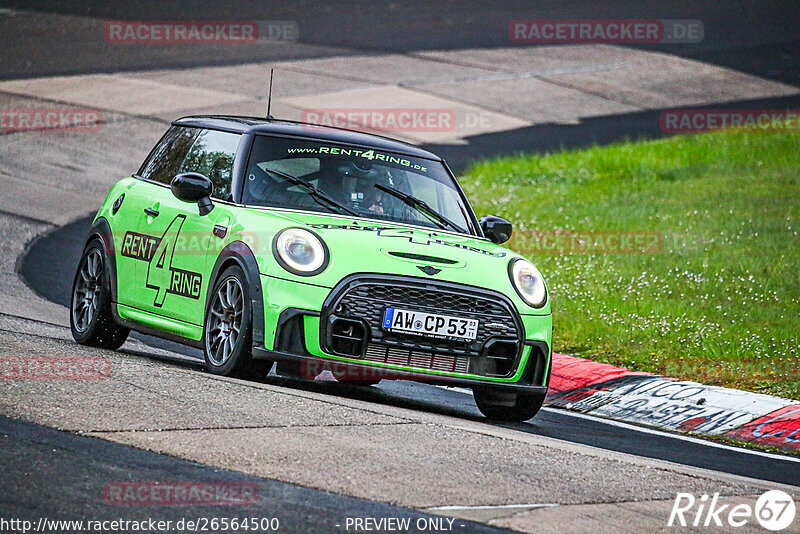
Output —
<point x="238" y="124"/>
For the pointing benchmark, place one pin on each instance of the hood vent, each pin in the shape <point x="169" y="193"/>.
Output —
<point x="422" y="258"/>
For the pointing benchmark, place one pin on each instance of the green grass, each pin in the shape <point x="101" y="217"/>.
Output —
<point x="720" y="302"/>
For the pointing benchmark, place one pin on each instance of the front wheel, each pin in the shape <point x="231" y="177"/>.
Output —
<point x="90" y="317"/>
<point x="500" y="405"/>
<point x="227" y="335"/>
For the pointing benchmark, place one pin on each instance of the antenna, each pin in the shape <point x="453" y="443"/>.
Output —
<point x="269" y="98"/>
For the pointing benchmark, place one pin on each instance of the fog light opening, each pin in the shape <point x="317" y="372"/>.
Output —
<point x="498" y="358"/>
<point x="348" y="337"/>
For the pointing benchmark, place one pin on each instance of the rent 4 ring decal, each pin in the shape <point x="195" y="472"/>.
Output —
<point x="365" y="154"/>
<point x="184" y="283"/>
<point x="425" y="238"/>
<point x="159" y="253"/>
<point x="412" y="236"/>
<point x="139" y="246"/>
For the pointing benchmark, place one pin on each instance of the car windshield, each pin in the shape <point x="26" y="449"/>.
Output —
<point x="326" y="177"/>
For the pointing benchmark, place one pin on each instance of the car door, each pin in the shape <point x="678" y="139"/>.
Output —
<point x="137" y="246"/>
<point x="176" y="277"/>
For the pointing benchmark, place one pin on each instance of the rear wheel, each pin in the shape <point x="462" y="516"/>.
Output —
<point x="90" y="317"/>
<point x="500" y="405"/>
<point x="227" y="335"/>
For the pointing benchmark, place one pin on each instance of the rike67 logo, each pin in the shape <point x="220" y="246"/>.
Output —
<point x="774" y="510"/>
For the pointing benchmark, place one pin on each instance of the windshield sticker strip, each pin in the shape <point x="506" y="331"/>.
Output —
<point x="359" y="153"/>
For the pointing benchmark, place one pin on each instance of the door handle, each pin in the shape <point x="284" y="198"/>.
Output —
<point x="151" y="212"/>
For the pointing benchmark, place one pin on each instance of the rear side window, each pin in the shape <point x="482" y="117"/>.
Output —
<point x="212" y="156"/>
<point x="183" y="149"/>
<point x="166" y="158"/>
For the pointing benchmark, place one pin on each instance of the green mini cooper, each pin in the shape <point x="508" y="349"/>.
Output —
<point x="263" y="241"/>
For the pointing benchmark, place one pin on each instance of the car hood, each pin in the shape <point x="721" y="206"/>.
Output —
<point x="367" y="246"/>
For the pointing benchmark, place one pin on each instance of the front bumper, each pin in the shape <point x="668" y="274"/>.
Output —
<point x="301" y="332"/>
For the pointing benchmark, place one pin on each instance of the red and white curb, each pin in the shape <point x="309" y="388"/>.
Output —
<point x="666" y="403"/>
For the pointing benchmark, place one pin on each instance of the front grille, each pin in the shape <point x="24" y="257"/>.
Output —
<point x="421" y="360"/>
<point x="366" y="298"/>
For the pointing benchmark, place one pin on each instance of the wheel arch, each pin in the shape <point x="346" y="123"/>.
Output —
<point x="238" y="253"/>
<point x="101" y="230"/>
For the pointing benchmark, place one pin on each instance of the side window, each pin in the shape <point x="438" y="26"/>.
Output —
<point x="212" y="155"/>
<point x="165" y="159"/>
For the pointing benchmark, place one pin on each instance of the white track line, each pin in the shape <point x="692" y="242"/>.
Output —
<point x="492" y="507"/>
<point x="682" y="437"/>
<point x="652" y="431"/>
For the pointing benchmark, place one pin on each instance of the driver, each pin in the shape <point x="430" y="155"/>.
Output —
<point x="353" y="183"/>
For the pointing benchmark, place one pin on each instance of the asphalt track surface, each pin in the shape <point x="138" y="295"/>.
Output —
<point x="32" y="454"/>
<point x="753" y="36"/>
<point x="53" y="281"/>
<point x="756" y="36"/>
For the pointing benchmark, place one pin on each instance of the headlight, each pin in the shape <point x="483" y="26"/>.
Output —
<point x="528" y="282"/>
<point x="300" y="251"/>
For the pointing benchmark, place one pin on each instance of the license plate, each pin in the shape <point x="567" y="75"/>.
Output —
<point x="430" y="324"/>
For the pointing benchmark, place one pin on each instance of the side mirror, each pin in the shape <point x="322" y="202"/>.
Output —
<point x="194" y="187"/>
<point x="497" y="229"/>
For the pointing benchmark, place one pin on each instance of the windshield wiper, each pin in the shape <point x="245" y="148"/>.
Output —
<point x="421" y="206"/>
<point x="312" y="190"/>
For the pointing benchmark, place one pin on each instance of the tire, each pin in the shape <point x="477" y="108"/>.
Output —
<point x="227" y="330"/>
<point x="499" y="405"/>
<point x="90" y="317"/>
